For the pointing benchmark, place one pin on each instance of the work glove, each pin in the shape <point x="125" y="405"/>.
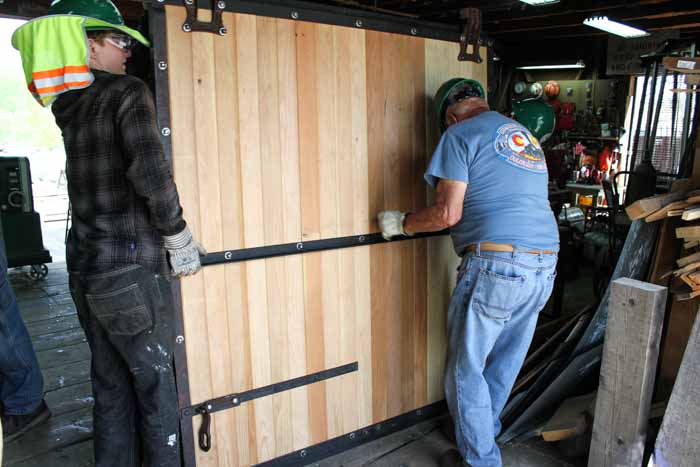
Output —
<point x="184" y="252"/>
<point x="391" y="223"/>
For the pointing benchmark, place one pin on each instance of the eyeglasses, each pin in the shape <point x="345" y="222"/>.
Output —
<point x="120" y="41"/>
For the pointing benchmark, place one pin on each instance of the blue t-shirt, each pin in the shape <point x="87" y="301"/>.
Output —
<point x="506" y="199"/>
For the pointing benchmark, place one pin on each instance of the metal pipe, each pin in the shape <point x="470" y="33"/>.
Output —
<point x="655" y="126"/>
<point x="686" y="115"/>
<point x="650" y="114"/>
<point x="631" y="133"/>
<point x="640" y="117"/>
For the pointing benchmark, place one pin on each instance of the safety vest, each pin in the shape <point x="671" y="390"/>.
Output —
<point x="54" y="55"/>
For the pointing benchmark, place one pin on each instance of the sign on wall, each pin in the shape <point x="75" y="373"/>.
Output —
<point x="623" y="54"/>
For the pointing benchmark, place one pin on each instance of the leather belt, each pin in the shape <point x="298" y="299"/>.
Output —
<point x="488" y="246"/>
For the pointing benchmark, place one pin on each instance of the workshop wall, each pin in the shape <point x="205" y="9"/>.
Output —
<point x="283" y="132"/>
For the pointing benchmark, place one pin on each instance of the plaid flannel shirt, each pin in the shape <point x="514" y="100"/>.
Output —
<point x="120" y="186"/>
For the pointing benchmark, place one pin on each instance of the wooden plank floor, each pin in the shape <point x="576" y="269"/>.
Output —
<point x="64" y="357"/>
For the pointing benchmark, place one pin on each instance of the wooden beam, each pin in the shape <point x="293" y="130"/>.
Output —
<point x="676" y="444"/>
<point x="646" y="206"/>
<point x="627" y="372"/>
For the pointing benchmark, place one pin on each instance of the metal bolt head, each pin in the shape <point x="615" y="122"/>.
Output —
<point x="358" y="23"/>
<point x="189" y="2"/>
<point x="165" y="131"/>
<point x="222" y="31"/>
<point x="180" y="339"/>
<point x="186" y="27"/>
<point x="361" y="238"/>
<point x="161" y="1"/>
<point x="300" y="246"/>
<point x="414" y="31"/>
<point x="162" y="66"/>
<point x="235" y="400"/>
<point x="209" y="407"/>
<point x="221" y="4"/>
<point x="352" y="435"/>
<point x="295" y="15"/>
<point x="303" y="453"/>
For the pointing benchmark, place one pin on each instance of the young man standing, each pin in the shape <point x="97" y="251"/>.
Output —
<point x="127" y="238"/>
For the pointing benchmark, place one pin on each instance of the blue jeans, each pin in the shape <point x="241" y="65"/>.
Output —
<point x="128" y="318"/>
<point x="21" y="383"/>
<point x="491" y="320"/>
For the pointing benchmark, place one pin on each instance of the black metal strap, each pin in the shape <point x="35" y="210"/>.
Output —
<point x="332" y="14"/>
<point x="311" y="454"/>
<point x="205" y="409"/>
<point x="471" y="35"/>
<point x="262" y="252"/>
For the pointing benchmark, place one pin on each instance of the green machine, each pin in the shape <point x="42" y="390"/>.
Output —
<point x="21" y="225"/>
<point x="537" y="116"/>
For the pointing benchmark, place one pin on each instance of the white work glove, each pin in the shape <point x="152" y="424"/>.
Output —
<point x="184" y="252"/>
<point x="391" y="223"/>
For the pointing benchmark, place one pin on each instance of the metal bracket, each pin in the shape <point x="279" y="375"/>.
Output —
<point x="205" y="409"/>
<point x="471" y="35"/>
<point x="215" y="26"/>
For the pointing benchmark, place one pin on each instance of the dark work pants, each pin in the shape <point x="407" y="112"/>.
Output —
<point x="127" y="315"/>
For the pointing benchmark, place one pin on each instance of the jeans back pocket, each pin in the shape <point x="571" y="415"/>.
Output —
<point x="497" y="295"/>
<point x="121" y="312"/>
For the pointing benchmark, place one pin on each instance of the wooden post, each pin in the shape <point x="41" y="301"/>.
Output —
<point x="677" y="444"/>
<point x="635" y="320"/>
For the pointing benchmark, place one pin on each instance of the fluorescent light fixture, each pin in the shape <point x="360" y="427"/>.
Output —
<point x="567" y="66"/>
<point x="613" y="27"/>
<point x="539" y="2"/>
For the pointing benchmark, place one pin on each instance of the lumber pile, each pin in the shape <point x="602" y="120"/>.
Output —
<point x="685" y="205"/>
<point x="688" y="265"/>
<point x="655" y="208"/>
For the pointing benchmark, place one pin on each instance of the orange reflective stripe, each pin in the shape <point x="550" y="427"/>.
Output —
<point x="60" y="71"/>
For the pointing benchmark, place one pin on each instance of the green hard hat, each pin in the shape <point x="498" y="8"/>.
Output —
<point x="452" y="91"/>
<point x="99" y="15"/>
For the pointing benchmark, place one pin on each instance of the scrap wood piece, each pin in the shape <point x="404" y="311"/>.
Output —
<point x="693" y="198"/>
<point x="686" y="260"/>
<point x="691" y="213"/>
<point x="688" y="232"/>
<point x="628" y="369"/>
<point x="676" y="444"/>
<point x="665" y="211"/>
<point x="571" y="419"/>
<point x="646" y="206"/>
<point x="686" y="295"/>
<point x="687" y="268"/>
<point x="691" y="244"/>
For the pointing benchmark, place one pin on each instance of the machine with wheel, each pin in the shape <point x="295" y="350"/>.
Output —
<point x="21" y="225"/>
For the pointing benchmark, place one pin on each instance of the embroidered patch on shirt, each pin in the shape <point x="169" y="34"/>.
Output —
<point x="518" y="147"/>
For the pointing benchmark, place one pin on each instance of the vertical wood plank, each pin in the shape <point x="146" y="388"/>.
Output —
<point x="306" y="40"/>
<point x="294" y="293"/>
<point x="185" y="174"/>
<point x="630" y="352"/>
<point x="676" y="443"/>
<point x="360" y="177"/>
<point x="254" y="233"/>
<point x="375" y="151"/>
<point x="273" y="214"/>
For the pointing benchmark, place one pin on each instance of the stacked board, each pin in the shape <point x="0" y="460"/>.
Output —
<point x="288" y="131"/>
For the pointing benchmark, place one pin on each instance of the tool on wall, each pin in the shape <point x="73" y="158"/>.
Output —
<point x="471" y="35"/>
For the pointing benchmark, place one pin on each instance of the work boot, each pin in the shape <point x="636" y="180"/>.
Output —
<point x="452" y="458"/>
<point x="15" y="425"/>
